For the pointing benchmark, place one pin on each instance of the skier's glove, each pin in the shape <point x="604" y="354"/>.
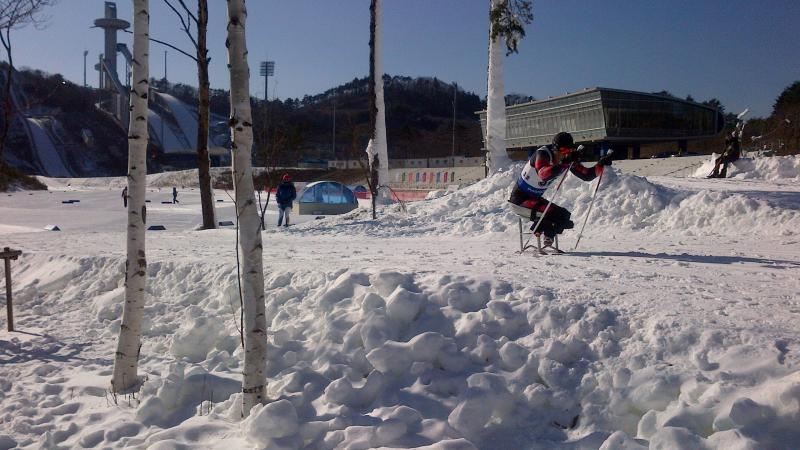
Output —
<point x="572" y="157"/>
<point x="604" y="161"/>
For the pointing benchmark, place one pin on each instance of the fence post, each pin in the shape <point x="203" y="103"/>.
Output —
<point x="7" y="255"/>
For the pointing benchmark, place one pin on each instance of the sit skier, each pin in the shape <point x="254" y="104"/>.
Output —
<point x="732" y="153"/>
<point x="285" y="195"/>
<point x="542" y="169"/>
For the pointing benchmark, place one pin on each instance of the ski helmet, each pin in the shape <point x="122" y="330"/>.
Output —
<point x="563" y="139"/>
<point x="286" y="177"/>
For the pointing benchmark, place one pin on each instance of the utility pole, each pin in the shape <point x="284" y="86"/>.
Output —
<point x="455" y="96"/>
<point x="165" y="65"/>
<point x="85" y="52"/>
<point x="333" y="146"/>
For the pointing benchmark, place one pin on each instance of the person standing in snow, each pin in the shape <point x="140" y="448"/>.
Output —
<point x="542" y="169"/>
<point x="174" y="195"/>
<point x="732" y="153"/>
<point x="285" y="195"/>
<point x="125" y="197"/>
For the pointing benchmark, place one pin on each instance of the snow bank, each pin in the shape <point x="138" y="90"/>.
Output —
<point x="361" y="359"/>
<point x="769" y="168"/>
<point x="624" y="203"/>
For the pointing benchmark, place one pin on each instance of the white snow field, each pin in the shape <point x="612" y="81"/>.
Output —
<point x="675" y="325"/>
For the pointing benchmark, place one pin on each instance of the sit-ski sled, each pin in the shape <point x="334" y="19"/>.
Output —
<point x="530" y="215"/>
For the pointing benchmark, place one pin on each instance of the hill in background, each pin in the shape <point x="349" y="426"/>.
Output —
<point x="419" y="119"/>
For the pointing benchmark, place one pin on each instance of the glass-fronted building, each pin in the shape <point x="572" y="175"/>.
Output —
<point x="604" y="118"/>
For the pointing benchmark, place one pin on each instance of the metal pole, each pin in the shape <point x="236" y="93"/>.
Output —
<point x="85" y="52"/>
<point x="266" y="87"/>
<point x="100" y="72"/>
<point x="333" y="146"/>
<point x="9" y="305"/>
<point x="165" y="65"/>
<point x="455" y="95"/>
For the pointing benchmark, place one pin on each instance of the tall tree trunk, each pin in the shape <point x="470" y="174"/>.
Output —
<point x="373" y="109"/>
<point x="379" y="132"/>
<point x="255" y="324"/>
<point x="127" y="357"/>
<point x="496" y="157"/>
<point x="203" y="163"/>
<point x="8" y="104"/>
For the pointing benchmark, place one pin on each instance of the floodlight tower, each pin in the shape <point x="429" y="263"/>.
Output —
<point x="267" y="70"/>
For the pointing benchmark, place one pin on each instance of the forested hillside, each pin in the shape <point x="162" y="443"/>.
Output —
<point x="419" y="119"/>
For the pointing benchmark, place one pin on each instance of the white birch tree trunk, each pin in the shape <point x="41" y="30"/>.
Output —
<point x="255" y="323"/>
<point x="126" y="358"/>
<point x="380" y="142"/>
<point x="497" y="158"/>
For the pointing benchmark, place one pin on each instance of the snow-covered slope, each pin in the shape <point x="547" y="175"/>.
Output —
<point x="771" y="169"/>
<point x="624" y="203"/>
<point x="46" y="152"/>
<point x="674" y="327"/>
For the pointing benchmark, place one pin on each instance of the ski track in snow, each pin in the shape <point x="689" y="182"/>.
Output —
<point x="674" y="325"/>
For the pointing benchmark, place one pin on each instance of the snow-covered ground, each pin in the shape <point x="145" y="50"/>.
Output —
<point x="674" y="325"/>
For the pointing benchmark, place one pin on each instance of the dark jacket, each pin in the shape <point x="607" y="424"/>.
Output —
<point x="732" y="147"/>
<point x="286" y="193"/>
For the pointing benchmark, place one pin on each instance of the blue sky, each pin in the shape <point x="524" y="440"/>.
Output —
<point x="742" y="52"/>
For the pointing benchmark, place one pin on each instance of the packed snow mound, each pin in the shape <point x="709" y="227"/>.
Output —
<point x="366" y="359"/>
<point x="624" y="203"/>
<point x="772" y="168"/>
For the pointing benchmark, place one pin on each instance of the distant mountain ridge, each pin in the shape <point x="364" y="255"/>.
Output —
<point x="419" y="116"/>
<point x="419" y="119"/>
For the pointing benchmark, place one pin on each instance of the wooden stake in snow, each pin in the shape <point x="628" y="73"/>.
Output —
<point x="126" y="358"/>
<point x="252" y="282"/>
<point x="7" y="255"/>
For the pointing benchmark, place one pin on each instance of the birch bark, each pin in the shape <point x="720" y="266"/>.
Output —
<point x="252" y="282"/>
<point x="126" y="358"/>
<point x="496" y="158"/>
<point x="379" y="133"/>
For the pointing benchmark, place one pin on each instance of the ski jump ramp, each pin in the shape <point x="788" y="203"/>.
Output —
<point x="46" y="151"/>
<point x="177" y="130"/>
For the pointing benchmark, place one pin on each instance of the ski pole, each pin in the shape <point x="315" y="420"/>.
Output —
<point x="550" y="202"/>
<point x="591" y="203"/>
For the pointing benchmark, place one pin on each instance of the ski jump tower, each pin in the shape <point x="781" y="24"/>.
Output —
<point x="107" y="66"/>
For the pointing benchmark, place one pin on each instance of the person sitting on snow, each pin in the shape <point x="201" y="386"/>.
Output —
<point x="542" y="169"/>
<point x="285" y="195"/>
<point x="732" y="153"/>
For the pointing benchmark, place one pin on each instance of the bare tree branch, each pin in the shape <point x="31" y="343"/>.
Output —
<point x="15" y="14"/>
<point x="186" y="24"/>
<point x="170" y="46"/>
<point x="188" y="11"/>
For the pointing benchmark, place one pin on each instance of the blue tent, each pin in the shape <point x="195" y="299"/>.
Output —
<point x="326" y="197"/>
